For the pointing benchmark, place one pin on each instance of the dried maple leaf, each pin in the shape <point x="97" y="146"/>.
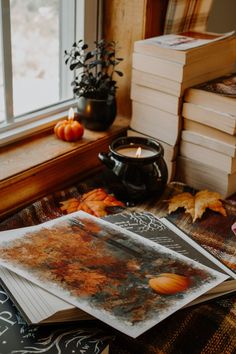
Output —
<point x="196" y="205"/>
<point x="206" y="199"/>
<point x="70" y="205"/>
<point x="94" y="202"/>
<point x="182" y="200"/>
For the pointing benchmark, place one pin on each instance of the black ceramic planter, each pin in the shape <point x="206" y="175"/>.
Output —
<point x="96" y="114"/>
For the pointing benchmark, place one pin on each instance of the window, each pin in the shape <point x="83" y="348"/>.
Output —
<point x="34" y="80"/>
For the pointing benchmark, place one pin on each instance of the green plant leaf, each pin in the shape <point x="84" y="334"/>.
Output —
<point x="88" y="56"/>
<point x="96" y="80"/>
<point x="76" y="65"/>
<point x="119" y="73"/>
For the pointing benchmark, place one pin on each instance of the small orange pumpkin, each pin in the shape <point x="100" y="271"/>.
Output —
<point x="169" y="283"/>
<point x="69" y="129"/>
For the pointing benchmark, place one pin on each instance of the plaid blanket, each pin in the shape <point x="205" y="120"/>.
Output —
<point x="186" y="15"/>
<point x="206" y="328"/>
<point x="212" y="231"/>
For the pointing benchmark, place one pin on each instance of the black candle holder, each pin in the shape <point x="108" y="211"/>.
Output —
<point x="140" y="177"/>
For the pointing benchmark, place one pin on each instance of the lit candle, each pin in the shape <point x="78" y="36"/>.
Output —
<point x="71" y="114"/>
<point x="136" y="151"/>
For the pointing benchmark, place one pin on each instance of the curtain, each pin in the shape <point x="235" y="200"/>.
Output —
<point x="186" y="15"/>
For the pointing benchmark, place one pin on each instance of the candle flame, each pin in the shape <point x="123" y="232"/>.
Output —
<point x="138" y="152"/>
<point x="71" y="113"/>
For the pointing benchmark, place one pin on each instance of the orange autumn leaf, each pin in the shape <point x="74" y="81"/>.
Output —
<point x="183" y="200"/>
<point x="94" y="202"/>
<point x="197" y="205"/>
<point x="205" y="199"/>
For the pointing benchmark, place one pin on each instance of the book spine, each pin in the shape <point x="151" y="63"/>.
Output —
<point x="155" y="98"/>
<point x="199" y="176"/>
<point x="147" y="47"/>
<point x="208" y="142"/>
<point x="212" y="101"/>
<point x="155" y="122"/>
<point x="157" y="82"/>
<point x="207" y="156"/>
<point x="211" y="132"/>
<point x="207" y="116"/>
<point x="157" y="66"/>
<point x="193" y="70"/>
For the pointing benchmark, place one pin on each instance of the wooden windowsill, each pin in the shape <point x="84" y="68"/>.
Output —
<point x="43" y="163"/>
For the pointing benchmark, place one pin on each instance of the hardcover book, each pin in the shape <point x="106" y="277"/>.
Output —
<point x="127" y="281"/>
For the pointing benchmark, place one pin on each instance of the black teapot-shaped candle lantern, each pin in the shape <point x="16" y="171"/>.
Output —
<point x="139" y="165"/>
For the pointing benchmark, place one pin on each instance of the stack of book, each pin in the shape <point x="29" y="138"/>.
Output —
<point x="208" y="140"/>
<point x="163" y="67"/>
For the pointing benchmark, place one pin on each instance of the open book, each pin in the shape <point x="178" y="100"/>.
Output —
<point x="128" y="281"/>
<point x="18" y="337"/>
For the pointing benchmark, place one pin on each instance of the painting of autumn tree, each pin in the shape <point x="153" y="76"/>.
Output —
<point x="104" y="266"/>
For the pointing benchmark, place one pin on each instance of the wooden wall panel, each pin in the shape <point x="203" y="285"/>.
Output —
<point x="126" y="21"/>
<point x="123" y="21"/>
<point x="155" y="17"/>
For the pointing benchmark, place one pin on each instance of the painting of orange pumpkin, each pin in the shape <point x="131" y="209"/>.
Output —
<point x="169" y="283"/>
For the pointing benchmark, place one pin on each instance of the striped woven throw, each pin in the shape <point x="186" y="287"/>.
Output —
<point x="208" y="328"/>
<point x="186" y="15"/>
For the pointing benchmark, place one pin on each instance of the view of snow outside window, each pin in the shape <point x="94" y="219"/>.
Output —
<point x="35" y="41"/>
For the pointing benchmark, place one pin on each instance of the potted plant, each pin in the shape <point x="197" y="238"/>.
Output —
<point x="94" y="83"/>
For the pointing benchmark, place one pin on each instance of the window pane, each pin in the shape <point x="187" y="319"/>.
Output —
<point x="35" y="53"/>
<point x="2" y="113"/>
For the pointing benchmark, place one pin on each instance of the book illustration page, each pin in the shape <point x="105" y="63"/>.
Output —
<point x="168" y="235"/>
<point x="123" y="279"/>
<point x="224" y="86"/>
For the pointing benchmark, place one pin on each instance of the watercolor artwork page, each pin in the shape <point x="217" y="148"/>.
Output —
<point x="123" y="279"/>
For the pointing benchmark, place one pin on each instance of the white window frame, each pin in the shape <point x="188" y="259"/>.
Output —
<point x="15" y="128"/>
